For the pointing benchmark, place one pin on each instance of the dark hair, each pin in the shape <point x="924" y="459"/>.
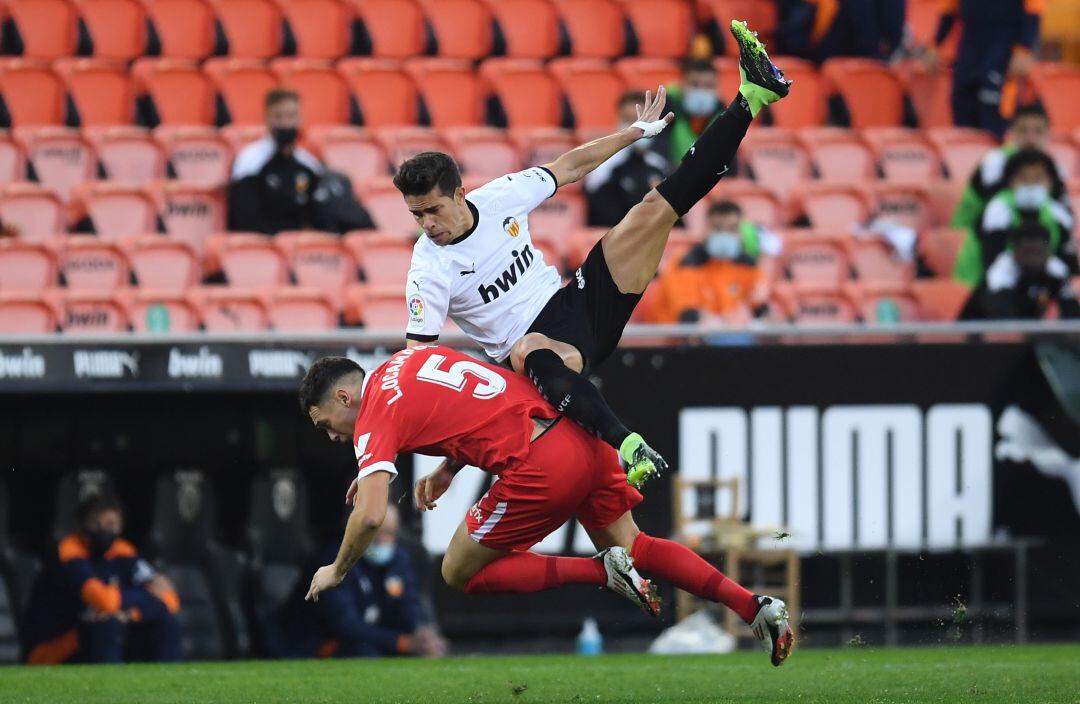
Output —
<point x="426" y="171"/>
<point x="1030" y="231"/>
<point x="698" y="65"/>
<point x="280" y="95"/>
<point x="632" y="97"/>
<point x="323" y="374"/>
<point x="1030" y="110"/>
<point x="725" y="207"/>
<point x="1030" y="157"/>
<point x="96" y="504"/>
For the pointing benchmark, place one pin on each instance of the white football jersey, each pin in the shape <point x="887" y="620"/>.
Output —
<point x="492" y="282"/>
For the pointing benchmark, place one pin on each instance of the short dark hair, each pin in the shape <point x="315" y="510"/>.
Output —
<point x="280" y="95"/>
<point x="1029" y="157"/>
<point x="95" y="504"/>
<point x="424" y="172"/>
<point x="323" y="374"/>
<point x="1030" y="231"/>
<point x="1030" y="110"/>
<point x="698" y="65"/>
<point x="632" y="97"/>
<point x="725" y="207"/>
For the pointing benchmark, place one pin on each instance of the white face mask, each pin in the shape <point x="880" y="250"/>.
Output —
<point x="723" y="245"/>
<point x="380" y="553"/>
<point x="1031" y="196"/>
<point x="700" y="102"/>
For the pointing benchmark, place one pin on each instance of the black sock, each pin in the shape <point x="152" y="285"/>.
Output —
<point x="573" y="395"/>
<point x="709" y="158"/>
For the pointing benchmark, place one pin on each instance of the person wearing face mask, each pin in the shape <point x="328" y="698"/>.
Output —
<point x="695" y="103"/>
<point x="1030" y="179"/>
<point x="1024" y="281"/>
<point x="720" y="276"/>
<point x="622" y="181"/>
<point x="98" y="601"/>
<point x="377" y="611"/>
<point x="278" y="185"/>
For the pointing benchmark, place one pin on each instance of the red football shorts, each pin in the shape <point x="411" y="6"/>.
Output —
<point x="567" y="472"/>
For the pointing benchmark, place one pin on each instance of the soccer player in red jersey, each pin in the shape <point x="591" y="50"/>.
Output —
<point x="436" y="401"/>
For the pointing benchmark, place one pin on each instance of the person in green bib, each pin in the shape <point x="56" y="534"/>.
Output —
<point x="1030" y="178"/>
<point x="695" y="104"/>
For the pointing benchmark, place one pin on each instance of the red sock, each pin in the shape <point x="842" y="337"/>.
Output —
<point x="525" y="572"/>
<point x="685" y="569"/>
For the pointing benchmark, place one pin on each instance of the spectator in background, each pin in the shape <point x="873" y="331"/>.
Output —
<point x="98" y="601"/>
<point x="995" y="51"/>
<point x="278" y="185"/>
<point x="376" y="611"/>
<point x="622" y="181"/>
<point x="1024" y="280"/>
<point x="1030" y="179"/>
<point x="817" y="30"/>
<point x="695" y="104"/>
<point x="721" y="275"/>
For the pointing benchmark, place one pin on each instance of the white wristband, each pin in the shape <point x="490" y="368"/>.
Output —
<point x="651" y="129"/>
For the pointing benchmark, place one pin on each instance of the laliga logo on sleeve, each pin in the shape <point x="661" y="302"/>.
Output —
<point x="416" y="309"/>
<point x="362" y="455"/>
<point x="512" y="227"/>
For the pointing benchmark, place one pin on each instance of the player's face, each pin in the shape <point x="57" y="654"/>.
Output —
<point x="443" y="218"/>
<point x="1030" y="132"/>
<point x="336" y="416"/>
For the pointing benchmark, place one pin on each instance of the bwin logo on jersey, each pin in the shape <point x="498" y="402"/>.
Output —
<point x="522" y="261"/>
<point x="512" y="227"/>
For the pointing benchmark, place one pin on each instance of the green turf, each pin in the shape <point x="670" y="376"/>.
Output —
<point x="949" y="674"/>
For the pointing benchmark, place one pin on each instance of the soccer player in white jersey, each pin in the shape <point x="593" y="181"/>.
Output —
<point x="478" y="266"/>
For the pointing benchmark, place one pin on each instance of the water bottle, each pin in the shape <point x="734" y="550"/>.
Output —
<point x="157" y="318"/>
<point x="887" y="311"/>
<point x="589" y="641"/>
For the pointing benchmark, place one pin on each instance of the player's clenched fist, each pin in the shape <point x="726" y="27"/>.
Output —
<point x="430" y="488"/>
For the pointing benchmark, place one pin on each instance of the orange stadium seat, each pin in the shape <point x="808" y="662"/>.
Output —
<point x="322" y="91"/>
<point x="33" y="94"/>
<point x="903" y="155"/>
<point x="381" y="308"/>
<point x="874" y="261"/>
<point x="118" y="211"/>
<point x="102" y="91"/>
<point x="592" y="89"/>
<point x="596" y="28"/>
<point x="191" y="213"/>
<point x="938" y="248"/>
<point x="322" y="262"/>
<point x="387" y="96"/>
<point x="816" y="309"/>
<point x="961" y="149"/>
<point x="940" y="299"/>
<point x="838" y="157"/>
<point x="302" y="309"/>
<point x="12" y="160"/>
<point x="922" y="20"/>
<point x="160" y="263"/>
<point x="386" y="261"/>
<point x="530" y="28"/>
<point x="88" y="264"/>
<point x="805" y="105"/>
<point x="252" y="261"/>
<point x="872" y="93"/>
<point x="728" y="69"/>
<point x="761" y="17"/>
<point x="931" y="95"/>
<point x="462" y="28"/>
<point x="907" y="204"/>
<point x="833" y="206"/>
<point x="34" y="212"/>
<point x="775" y="158"/>
<point x="662" y="27"/>
<point x="48" y="28"/>
<point x="118" y="28"/>
<point x="1058" y="87"/>
<point x="393" y="28"/>
<point x="184" y="27"/>
<point x="61" y="158"/>
<point x="196" y="155"/>
<point x="758" y="203"/>
<point x="558" y="216"/>
<point x="322" y="27"/>
<point x="144" y="306"/>
<point x="227" y="309"/>
<point x="180" y="93"/>
<point x="386" y="207"/>
<point x="580" y="243"/>
<point x="528" y="94"/>
<point x="541" y="145"/>
<point x="26" y="314"/>
<point x="406" y="142"/>
<point x="483" y="152"/>
<point x="253" y="28"/>
<point x="239" y="136"/>
<point x="647" y="73"/>
<point x="26" y="267"/>
<point x="351" y="151"/>
<point x="1066" y="154"/>
<point x="879" y="303"/>
<point x="818" y="261"/>
<point x="454" y="95"/>
<point x="242" y="85"/>
<point x="91" y="313"/>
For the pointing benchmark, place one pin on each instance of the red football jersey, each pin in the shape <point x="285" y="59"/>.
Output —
<point x="437" y="401"/>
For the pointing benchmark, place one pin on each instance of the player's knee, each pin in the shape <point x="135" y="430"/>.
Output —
<point x="453" y="574"/>
<point x="529" y="343"/>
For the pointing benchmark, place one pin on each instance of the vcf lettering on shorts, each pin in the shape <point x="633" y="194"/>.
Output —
<point x="489" y="524"/>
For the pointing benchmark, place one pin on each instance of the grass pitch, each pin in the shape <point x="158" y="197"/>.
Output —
<point x="1034" y="674"/>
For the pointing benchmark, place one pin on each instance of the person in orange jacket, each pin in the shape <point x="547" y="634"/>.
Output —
<point x="98" y="601"/>
<point x="721" y="275"/>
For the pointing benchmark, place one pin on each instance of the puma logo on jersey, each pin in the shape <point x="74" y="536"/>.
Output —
<point x="467" y="273"/>
<point x="510" y="277"/>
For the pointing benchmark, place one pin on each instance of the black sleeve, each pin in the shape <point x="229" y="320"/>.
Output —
<point x="999" y="305"/>
<point x="1067" y="251"/>
<point x="245" y="213"/>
